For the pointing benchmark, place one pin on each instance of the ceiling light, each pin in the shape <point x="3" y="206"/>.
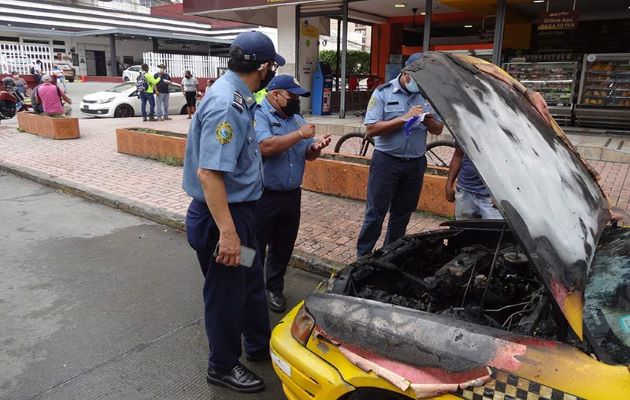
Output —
<point x="423" y="13"/>
<point x="467" y="26"/>
<point x="539" y="1"/>
<point x="400" y="5"/>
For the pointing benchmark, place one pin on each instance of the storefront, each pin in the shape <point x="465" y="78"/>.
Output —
<point x="545" y="43"/>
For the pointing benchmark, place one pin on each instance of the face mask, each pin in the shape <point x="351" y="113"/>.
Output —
<point x="292" y="107"/>
<point x="412" y="86"/>
<point x="265" y="81"/>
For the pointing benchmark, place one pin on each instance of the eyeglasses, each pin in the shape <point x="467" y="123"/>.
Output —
<point x="274" y="67"/>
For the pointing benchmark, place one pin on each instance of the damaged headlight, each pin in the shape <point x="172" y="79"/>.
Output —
<point x="303" y="325"/>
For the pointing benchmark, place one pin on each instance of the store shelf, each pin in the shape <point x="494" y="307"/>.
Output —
<point x="556" y="81"/>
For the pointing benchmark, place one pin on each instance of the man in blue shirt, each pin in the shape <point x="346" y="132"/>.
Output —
<point x="398" y="163"/>
<point x="286" y="142"/>
<point x="223" y="175"/>
<point x="471" y="196"/>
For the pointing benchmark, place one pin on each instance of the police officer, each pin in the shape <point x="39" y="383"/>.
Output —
<point x="286" y="142"/>
<point x="223" y="175"/>
<point x="398" y="163"/>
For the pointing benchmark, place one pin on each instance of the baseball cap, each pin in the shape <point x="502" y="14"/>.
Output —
<point x="288" y="83"/>
<point x="413" y="57"/>
<point x="257" y="46"/>
<point x="46" y="78"/>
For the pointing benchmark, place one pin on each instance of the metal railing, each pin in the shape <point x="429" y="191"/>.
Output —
<point x="19" y="57"/>
<point x="176" y="64"/>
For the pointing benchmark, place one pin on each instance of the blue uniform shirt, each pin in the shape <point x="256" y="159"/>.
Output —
<point x="222" y="138"/>
<point x="284" y="171"/>
<point x="469" y="180"/>
<point x="388" y="102"/>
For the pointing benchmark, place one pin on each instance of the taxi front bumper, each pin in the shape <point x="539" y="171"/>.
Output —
<point x="304" y="375"/>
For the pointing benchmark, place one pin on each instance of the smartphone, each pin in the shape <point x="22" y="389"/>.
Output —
<point x="247" y="255"/>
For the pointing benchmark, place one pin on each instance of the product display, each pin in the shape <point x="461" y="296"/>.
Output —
<point x="556" y="81"/>
<point x="605" y="90"/>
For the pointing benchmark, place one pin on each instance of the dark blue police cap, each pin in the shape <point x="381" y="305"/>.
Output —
<point x="257" y="46"/>
<point x="288" y="83"/>
<point x="413" y="57"/>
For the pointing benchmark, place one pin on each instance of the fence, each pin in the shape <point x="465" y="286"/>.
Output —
<point x="176" y="64"/>
<point x="19" y="57"/>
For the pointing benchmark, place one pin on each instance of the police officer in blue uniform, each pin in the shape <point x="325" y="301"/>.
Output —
<point x="286" y="142"/>
<point x="223" y="175"/>
<point x="398" y="163"/>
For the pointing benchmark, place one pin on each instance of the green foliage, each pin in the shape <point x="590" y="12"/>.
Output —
<point x="172" y="161"/>
<point x="358" y="61"/>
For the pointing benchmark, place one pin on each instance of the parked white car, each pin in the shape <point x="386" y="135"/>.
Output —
<point x="122" y="101"/>
<point x="131" y="73"/>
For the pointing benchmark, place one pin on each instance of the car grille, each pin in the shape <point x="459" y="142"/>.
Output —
<point x="89" y="101"/>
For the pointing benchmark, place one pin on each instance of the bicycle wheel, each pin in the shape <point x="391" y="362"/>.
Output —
<point x="355" y="143"/>
<point x="440" y="153"/>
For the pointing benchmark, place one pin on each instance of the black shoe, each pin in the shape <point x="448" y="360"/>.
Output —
<point x="277" y="302"/>
<point x="239" y="379"/>
<point x="258" y="356"/>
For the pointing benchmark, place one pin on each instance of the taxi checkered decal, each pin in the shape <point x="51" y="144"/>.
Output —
<point x="510" y="387"/>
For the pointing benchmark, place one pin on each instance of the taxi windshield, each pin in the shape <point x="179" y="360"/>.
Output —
<point x="607" y="297"/>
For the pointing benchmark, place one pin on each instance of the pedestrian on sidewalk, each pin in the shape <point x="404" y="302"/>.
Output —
<point x="58" y="74"/>
<point x="398" y="162"/>
<point x="145" y="85"/>
<point x="162" y="92"/>
<point x="50" y="97"/>
<point x="286" y="141"/>
<point x="465" y="188"/>
<point x="36" y="70"/>
<point x="222" y="173"/>
<point x="190" y="87"/>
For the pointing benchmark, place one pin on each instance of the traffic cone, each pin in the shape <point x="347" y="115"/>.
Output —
<point x="83" y="78"/>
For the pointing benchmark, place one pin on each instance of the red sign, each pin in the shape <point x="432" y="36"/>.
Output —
<point x="553" y="21"/>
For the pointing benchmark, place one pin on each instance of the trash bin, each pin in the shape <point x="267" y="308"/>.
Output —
<point x="321" y="92"/>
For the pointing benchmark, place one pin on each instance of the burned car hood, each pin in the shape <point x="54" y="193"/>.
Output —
<point x="541" y="187"/>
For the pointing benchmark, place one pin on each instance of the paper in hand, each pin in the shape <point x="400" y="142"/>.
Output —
<point x="413" y="123"/>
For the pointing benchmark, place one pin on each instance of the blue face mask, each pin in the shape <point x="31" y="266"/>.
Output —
<point x="412" y="86"/>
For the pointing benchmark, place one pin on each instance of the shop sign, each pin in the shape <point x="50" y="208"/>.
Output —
<point x="554" y="21"/>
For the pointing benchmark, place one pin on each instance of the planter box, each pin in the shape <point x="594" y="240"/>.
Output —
<point x="347" y="176"/>
<point x="149" y="143"/>
<point x="50" y="127"/>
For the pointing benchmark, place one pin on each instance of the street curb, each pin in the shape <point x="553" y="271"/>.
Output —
<point x="299" y="259"/>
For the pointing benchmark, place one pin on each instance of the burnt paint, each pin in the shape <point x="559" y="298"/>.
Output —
<point x="411" y="336"/>
<point x="541" y="186"/>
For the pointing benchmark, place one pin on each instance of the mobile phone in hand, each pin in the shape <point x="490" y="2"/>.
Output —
<point x="247" y="255"/>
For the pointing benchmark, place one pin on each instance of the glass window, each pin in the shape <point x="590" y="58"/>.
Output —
<point x="123" y="87"/>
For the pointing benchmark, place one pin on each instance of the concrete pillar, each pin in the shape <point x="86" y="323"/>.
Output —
<point x="288" y="30"/>
<point x="427" y="25"/>
<point x="156" y="46"/>
<point x="498" y="31"/>
<point x="112" y="56"/>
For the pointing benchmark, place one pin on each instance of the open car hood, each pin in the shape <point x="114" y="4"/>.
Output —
<point x="541" y="187"/>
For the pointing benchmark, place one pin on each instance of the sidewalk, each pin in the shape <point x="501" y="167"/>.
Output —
<point x="91" y="166"/>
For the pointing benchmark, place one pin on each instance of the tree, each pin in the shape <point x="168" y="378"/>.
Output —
<point x="358" y="61"/>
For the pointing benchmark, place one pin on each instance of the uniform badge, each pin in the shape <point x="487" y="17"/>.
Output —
<point x="371" y="103"/>
<point x="238" y="102"/>
<point x="224" y="132"/>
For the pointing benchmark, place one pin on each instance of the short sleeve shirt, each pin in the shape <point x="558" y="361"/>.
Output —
<point x="162" y="86"/>
<point x="388" y="102"/>
<point x="285" y="171"/>
<point x="222" y="138"/>
<point x="50" y="97"/>
<point x="190" y="84"/>
<point x="469" y="179"/>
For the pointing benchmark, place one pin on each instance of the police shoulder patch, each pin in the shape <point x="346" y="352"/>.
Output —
<point x="238" y="102"/>
<point x="371" y="103"/>
<point x="224" y="132"/>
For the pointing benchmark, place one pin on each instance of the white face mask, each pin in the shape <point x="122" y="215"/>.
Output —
<point x="412" y="86"/>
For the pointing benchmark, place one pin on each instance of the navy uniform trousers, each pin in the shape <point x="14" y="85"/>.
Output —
<point x="277" y="225"/>
<point x="234" y="297"/>
<point x="394" y="185"/>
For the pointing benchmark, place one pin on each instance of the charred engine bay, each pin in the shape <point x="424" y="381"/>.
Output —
<point x="449" y="276"/>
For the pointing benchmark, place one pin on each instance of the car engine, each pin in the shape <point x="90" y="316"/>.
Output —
<point x="477" y="283"/>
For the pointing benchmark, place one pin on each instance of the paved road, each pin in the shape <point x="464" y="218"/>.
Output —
<point x="99" y="304"/>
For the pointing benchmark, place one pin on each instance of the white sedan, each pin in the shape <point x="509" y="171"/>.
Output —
<point x="122" y="101"/>
<point x="131" y="74"/>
